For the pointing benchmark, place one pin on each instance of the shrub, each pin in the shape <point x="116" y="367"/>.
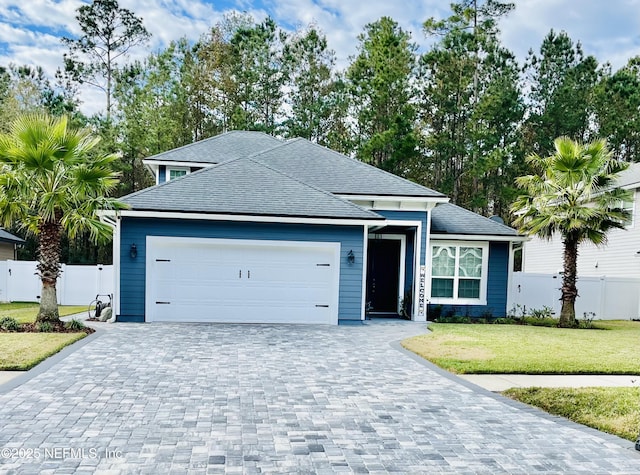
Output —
<point x="504" y="321"/>
<point x="540" y="322"/>
<point x="453" y="319"/>
<point x="435" y="312"/>
<point x="74" y="325"/>
<point x="517" y="312"/>
<point x="542" y="313"/>
<point x="44" y="327"/>
<point x="9" y="324"/>
<point x="587" y="321"/>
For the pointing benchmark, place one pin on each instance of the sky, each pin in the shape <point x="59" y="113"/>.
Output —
<point x="30" y="30"/>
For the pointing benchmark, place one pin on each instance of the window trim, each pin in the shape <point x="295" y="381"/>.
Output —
<point x="168" y="171"/>
<point x="632" y="211"/>
<point x="456" y="278"/>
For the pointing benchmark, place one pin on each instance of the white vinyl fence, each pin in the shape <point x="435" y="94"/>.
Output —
<point x="609" y="298"/>
<point x="78" y="285"/>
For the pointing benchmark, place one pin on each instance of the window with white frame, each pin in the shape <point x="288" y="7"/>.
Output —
<point x="173" y="173"/>
<point x="459" y="272"/>
<point x="628" y="206"/>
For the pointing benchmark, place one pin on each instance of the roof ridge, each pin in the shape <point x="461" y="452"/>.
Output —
<point x="362" y="164"/>
<point x="202" y="170"/>
<point x="209" y="139"/>
<point x="280" y="145"/>
<point x="331" y="195"/>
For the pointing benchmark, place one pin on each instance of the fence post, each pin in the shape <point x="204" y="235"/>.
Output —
<point x="603" y="293"/>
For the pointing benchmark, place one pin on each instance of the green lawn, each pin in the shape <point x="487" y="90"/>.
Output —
<point x="22" y="351"/>
<point x="612" y="410"/>
<point x="476" y="348"/>
<point x="25" y="312"/>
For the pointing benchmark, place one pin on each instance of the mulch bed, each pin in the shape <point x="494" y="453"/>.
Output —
<point x="57" y="328"/>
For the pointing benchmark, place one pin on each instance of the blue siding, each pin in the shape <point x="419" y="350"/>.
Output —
<point x="135" y="230"/>
<point x="162" y="174"/>
<point x="496" y="286"/>
<point x="421" y="216"/>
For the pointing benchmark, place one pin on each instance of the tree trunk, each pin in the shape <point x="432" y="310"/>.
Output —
<point x="49" y="270"/>
<point x="569" y="290"/>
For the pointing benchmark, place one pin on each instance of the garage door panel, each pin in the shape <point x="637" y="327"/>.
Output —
<point x="210" y="280"/>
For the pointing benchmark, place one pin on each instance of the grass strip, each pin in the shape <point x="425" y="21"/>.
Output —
<point x="612" y="410"/>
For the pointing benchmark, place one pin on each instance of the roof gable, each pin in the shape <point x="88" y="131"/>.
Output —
<point x="447" y="218"/>
<point x="247" y="187"/>
<point x="6" y="236"/>
<point x="220" y="148"/>
<point x="337" y="173"/>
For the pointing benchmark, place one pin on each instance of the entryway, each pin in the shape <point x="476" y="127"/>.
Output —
<point x="385" y="273"/>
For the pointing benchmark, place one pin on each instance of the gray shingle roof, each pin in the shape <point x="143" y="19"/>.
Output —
<point x="244" y="186"/>
<point x="337" y="173"/>
<point x="220" y="148"/>
<point x="447" y="218"/>
<point x="629" y="177"/>
<point x="6" y="236"/>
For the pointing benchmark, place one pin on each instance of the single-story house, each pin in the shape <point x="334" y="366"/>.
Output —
<point x="246" y="228"/>
<point x="9" y="245"/>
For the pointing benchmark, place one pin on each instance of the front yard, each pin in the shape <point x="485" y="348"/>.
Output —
<point x="476" y="348"/>
<point x="612" y="410"/>
<point x="611" y="349"/>
<point x="22" y="351"/>
<point x="25" y="312"/>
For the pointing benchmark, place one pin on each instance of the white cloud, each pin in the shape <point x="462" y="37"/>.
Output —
<point x="609" y="30"/>
<point x="30" y="29"/>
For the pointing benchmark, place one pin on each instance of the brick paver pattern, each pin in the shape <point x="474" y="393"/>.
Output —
<point x="197" y="398"/>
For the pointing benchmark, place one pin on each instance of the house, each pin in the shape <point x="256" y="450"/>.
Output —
<point x="246" y="228"/>
<point x="620" y="257"/>
<point x="9" y="245"/>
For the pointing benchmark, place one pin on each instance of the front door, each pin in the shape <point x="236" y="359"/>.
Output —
<point x="383" y="264"/>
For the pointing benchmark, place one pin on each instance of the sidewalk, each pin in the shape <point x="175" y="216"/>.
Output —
<point x="501" y="382"/>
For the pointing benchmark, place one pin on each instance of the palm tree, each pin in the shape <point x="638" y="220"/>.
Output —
<point x="50" y="183"/>
<point x="574" y="196"/>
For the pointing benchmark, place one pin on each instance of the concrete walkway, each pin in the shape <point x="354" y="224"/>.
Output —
<point x="206" y="399"/>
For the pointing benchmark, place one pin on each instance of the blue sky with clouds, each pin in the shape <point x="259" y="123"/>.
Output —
<point x="30" y="30"/>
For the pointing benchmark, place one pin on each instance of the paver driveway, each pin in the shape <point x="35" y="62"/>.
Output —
<point x="170" y="398"/>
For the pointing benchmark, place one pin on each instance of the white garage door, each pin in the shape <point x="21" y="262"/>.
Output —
<point x="241" y="281"/>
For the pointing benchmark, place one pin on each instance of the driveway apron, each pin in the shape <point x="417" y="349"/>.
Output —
<point x="196" y="398"/>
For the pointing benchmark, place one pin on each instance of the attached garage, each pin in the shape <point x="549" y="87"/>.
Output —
<point x="241" y="281"/>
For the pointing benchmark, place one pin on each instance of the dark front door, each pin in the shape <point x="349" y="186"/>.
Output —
<point x="383" y="267"/>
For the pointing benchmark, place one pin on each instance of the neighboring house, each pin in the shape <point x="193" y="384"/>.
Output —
<point x="243" y="227"/>
<point x="9" y="245"/>
<point x="620" y="257"/>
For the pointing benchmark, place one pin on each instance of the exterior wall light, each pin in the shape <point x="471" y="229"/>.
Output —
<point x="351" y="258"/>
<point x="133" y="251"/>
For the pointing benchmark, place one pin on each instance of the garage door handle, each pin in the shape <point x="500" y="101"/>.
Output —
<point x="163" y="303"/>
<point x="163" y="260"/>
<point x="323" y="265"/>
<point x="322" y="306"/>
